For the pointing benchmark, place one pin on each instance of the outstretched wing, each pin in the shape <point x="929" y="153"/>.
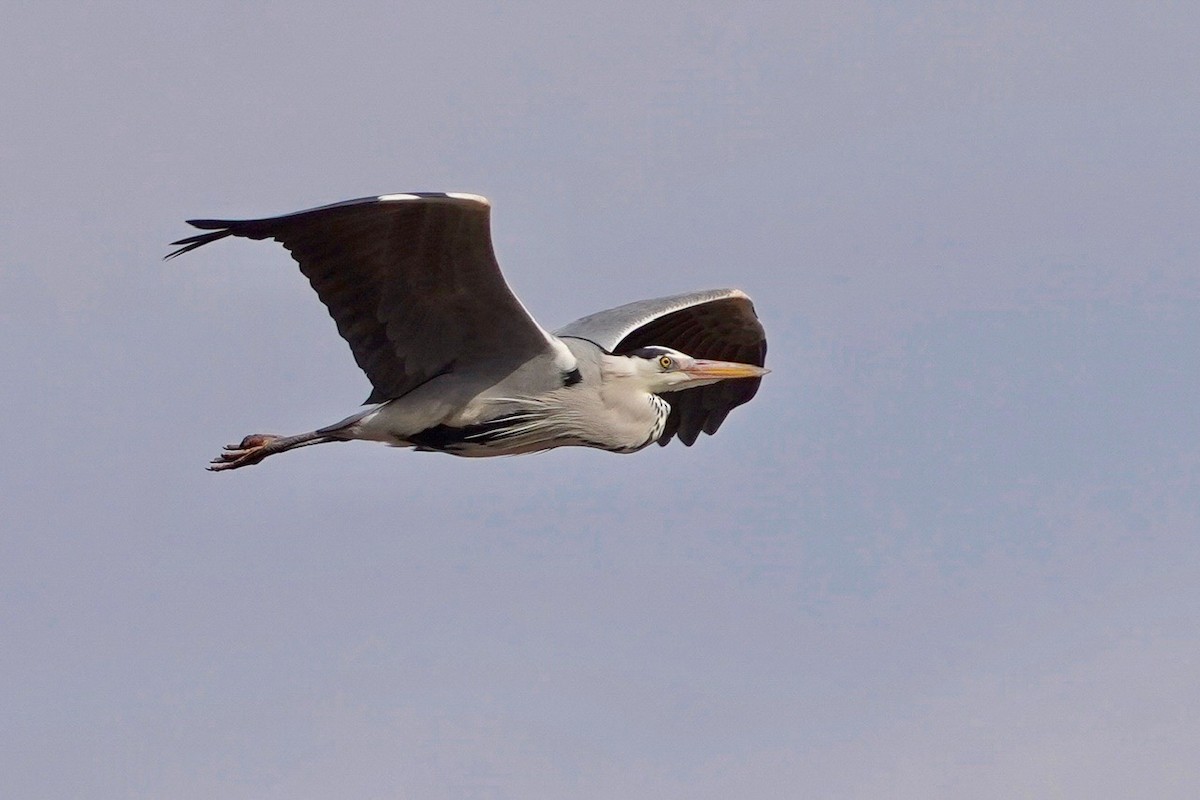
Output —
<point x="410" y="279"/>
<point x="719" y="324"/>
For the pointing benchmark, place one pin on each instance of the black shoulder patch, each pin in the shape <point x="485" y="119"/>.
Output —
<point x="446" y="438"/>
<point x="439" y="438"/>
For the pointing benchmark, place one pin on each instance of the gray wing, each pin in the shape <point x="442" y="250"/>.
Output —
<point x="719" y="324"/>
<point x="410" y="279"/>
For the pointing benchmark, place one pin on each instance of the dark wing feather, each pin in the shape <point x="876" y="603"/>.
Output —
<point x="411" y="281"/>
<point x="719" y="324"/>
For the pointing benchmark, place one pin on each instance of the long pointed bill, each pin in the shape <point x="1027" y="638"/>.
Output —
<point x="703" y="369"/>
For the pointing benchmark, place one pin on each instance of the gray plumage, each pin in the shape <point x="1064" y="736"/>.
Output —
<point x="458" y="365"/>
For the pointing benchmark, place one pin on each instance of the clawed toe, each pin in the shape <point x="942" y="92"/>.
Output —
<point x="251" y="450"/>
<point x="252" y="441"/>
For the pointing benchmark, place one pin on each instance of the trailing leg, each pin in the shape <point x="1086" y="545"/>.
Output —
<point x="257" y="446"/>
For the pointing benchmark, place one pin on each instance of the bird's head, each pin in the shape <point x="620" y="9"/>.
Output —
<point x="661" y="369"/>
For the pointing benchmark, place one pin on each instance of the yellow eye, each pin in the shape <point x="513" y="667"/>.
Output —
<point x="665" y="362"/>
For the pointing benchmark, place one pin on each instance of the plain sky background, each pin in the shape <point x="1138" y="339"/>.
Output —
<point x="950" y="550"/>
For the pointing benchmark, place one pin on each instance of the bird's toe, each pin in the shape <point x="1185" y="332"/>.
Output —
<point x="251" y="450"/>
<point x="253" y="440"/>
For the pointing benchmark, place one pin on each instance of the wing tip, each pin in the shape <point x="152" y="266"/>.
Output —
<point x="199" y="240"/>
<point x="220" y="228"/>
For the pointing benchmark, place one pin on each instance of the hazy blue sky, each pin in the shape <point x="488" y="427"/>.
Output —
<point x="951" y="550"/>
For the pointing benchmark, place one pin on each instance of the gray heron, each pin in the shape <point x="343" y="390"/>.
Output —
<point x="458" y="365"/>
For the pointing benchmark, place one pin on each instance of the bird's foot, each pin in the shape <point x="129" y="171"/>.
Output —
<point x="251" y="450"/>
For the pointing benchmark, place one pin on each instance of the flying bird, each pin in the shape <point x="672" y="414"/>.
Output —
<point x="459" y="366"/>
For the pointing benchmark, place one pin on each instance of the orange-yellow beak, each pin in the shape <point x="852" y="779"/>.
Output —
<point x="723" y="370"/>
